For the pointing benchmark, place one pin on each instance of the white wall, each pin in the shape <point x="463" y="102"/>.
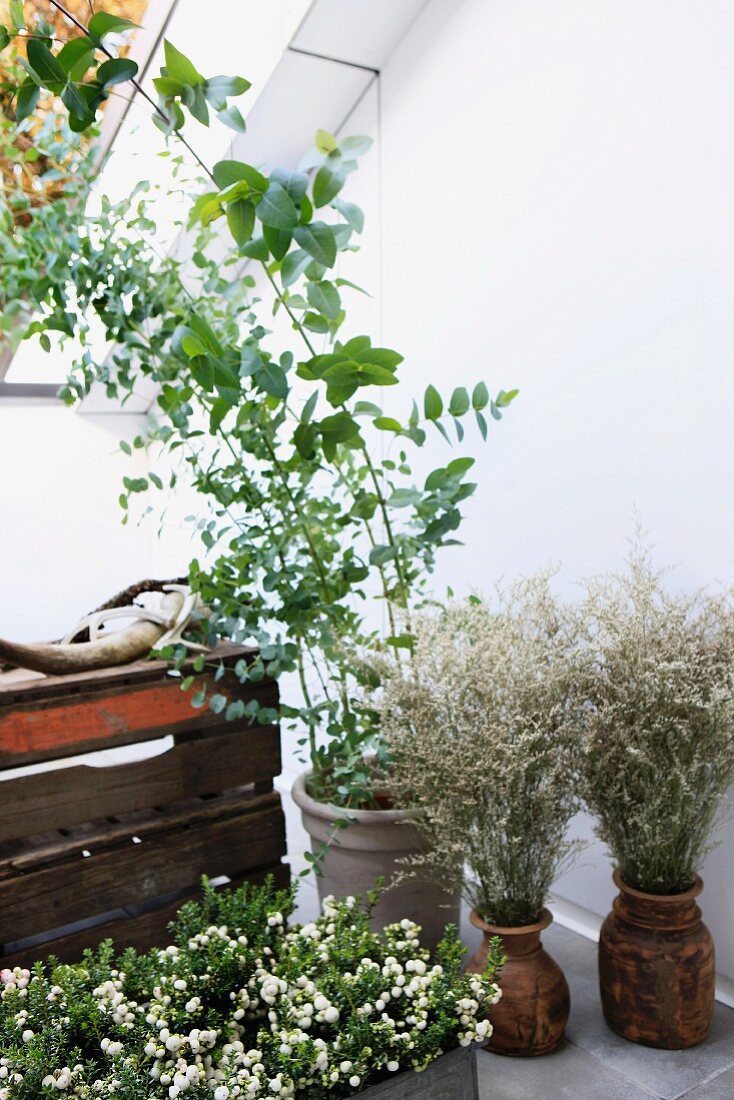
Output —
<point x="63" y="550"/>
<point x="557" y="216"/>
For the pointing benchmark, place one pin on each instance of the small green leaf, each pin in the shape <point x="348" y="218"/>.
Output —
<point x="318" y="240"/>
<point x="4" y="38"/>
<point x="116" y="71"/>
<point x="76" y="105"/>
<point x="432" y="403"/>
<point x="193" y="346"/>
<point x="76" y="56"/>
<point x="167" y="86"/>
<point x="277" y="240"/>
<point x="505" y="399"/>
<point x="304" y="439"/>
<point x="232" y="118"/>
<point x="324" y="297"/>
<point x="44" y="63"/>
<point x="196" y="102"/>
<point x="27" y="101"/>
<point x="17" y="18"/>
<point x="387" y="424"/>
<point x="482" y="424"/>
<point x="315" y="322"/>
<point x="178" y="66"/>
<point x="381" y="555"/>
<point x="355" y="146"/>
<point x="276" y="208"/>
<point x="480" y="397"/>
<point x="218" y="89"/>
<point x="293" y="266"/>
<point x="328" y="183"/>
<point x="227" y="172"/>
<point x="257" y="249"/>
<point x="367" y="408"/>
<point x="325" y="142"/>
<point x="103" y="24"/>
<point x="273" y="380"/>
<point x="352" y="214"/>
<point x="460" y="402"/>
<point x="403" y="498"/>
<point x="241" y="220"/>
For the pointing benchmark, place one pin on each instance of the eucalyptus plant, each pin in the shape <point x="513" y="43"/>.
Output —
<point x="303" y="519"/>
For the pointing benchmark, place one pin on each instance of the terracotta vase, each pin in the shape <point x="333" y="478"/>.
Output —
<point x="531" y="1018"/>
<point x="657" y="968"/>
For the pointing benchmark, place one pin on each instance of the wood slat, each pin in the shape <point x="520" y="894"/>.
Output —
<point x="233" y="756"/>
<point x="31" y="732"/>
<point x="142" y="932"/>
<point x="61" y="845"/>
<point x="58" y="886"/>
<point x="14" y="691"/>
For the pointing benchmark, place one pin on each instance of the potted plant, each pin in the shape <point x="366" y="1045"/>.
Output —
<point x="242" y="1005"/>
<point x="484" y="747"/>
<point x="658" y="721"/>
<point x="304" y="522"/>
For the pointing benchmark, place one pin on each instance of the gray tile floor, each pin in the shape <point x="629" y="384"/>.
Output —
<point x="593" y="1063"/>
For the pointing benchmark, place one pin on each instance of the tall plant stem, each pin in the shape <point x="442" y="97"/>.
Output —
<point x="370" y="466"/>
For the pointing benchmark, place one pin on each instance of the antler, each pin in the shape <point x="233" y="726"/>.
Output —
<point x="153" y="629"/>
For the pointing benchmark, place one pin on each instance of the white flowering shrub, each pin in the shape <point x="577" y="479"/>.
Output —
<point x="241" y="1005"/>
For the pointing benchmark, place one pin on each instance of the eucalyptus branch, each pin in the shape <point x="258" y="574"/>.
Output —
<point x="317" y="516"/>
<point x="139" y="88"/>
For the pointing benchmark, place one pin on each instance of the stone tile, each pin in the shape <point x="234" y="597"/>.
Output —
<point x="720" y="1087"/>
<point x="667" y="1074"/>
<point x="566" y="1074"/>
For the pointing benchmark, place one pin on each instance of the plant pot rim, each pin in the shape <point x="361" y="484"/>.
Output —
<point x="546" y="918"/>
<point x="662" y="899"/>
<point x="327" y="811"/>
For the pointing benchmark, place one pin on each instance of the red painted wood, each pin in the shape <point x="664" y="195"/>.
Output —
<point x="48" y="719"/>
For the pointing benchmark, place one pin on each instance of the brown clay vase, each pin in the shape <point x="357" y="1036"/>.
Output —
<point x="657" y="968"/>
<point x="532" y="1015"/>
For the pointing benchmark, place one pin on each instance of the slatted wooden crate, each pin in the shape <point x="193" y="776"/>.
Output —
<point x="120" y="847"/>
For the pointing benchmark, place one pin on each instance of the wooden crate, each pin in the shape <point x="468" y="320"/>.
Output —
<point x="120" y="847"/>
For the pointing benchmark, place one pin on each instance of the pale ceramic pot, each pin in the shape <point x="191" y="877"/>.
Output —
<point x="372" y="846"/>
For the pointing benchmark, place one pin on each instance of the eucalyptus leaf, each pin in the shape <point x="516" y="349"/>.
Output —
<point x="432" y="403"/>
<point x="45" y="64"/>
<point x="318" y="240"/>
<point x="116" y="71"/>
<point x="325" y="142"/>
<point x="178" y="66"/>
<point x="324" y="297"/>
<point x="17" y="17"/>
<point x="241" y="220"/>
<point x="276" y="208"/>
<point x="227" y="172"/>
<point x="294" y="264"/>
<point x="27" y="101"/>
<point x="218" y="89"/>
<point x="327" y="184"/>
<point x="103" y="24"/>
<point x="233" y="119"/>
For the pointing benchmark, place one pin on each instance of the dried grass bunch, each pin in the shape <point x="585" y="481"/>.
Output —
<point x="483" y="744"/>
<point x="658" y="719"/>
